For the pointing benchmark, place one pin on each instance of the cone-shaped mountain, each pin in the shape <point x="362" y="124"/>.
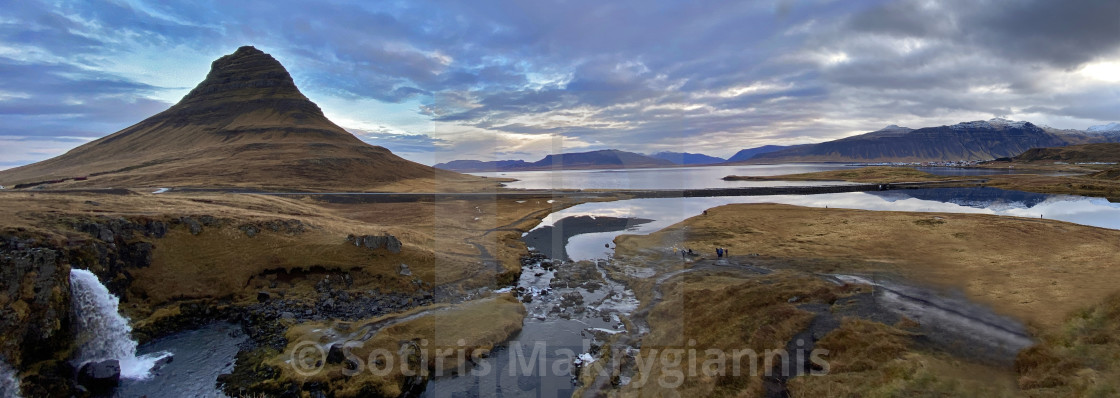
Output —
<point x="245" y="125"/>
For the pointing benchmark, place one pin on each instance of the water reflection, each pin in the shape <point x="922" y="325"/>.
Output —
<point x="663" y="178"/>
<point x="695" y="177"/>
<point x="668" y="211"/>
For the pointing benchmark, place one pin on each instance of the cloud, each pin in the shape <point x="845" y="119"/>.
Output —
<point x="527" y="78"/>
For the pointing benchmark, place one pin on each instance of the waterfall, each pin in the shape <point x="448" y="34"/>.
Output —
<point x="9" y="384"/>
<point x="102" y="333"/>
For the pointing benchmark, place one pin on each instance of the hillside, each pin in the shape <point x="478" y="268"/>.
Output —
<point x="1105" y="152"/>
<point x="245" y="125"/>
<point x="750" y="153"/>
<point x="978" y="140"/>
<point x="604" y="159"/>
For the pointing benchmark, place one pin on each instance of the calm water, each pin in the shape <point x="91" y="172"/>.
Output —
<point x="692" y="177"/>
<point x="669" y="211"/>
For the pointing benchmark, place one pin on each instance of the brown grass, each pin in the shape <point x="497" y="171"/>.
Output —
<point x="717" y="310"/>
<point x="1099" y="186"/>
<point x="1035" y="270"/>
<point x="869" y="359"/>
<point x="1081" y="358"/>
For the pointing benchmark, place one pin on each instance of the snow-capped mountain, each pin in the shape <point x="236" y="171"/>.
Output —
<point x="1104" y="128"/>
<point x="998" y="122"/>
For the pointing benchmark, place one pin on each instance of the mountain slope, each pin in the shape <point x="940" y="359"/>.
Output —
<point x="687" y="158"/>
<point x="245" y="125"/>
<point x="750" y="153"/>
<point x="978" y="140"/>
<point x="1105" y="152"/>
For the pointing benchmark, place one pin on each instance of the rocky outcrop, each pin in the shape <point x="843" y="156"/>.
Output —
<point x="34" y="300"/>
<point x="387" y="242"/>
<point x="290" y="227"/>
<point x="100" y="378"/>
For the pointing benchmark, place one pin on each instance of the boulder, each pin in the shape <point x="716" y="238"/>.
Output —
<point x="194" y="226"/>
<point x="100" y="377"/>
<point x="386" y="241"/>
<point x="336" y="354"/>
<point x="404" y="270"/>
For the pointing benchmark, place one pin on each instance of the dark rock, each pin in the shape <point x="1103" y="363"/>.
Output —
<point x="250" y="230"/>
<point x="194" y="226"/>
<point x="100" y="377"/>
<point x="157" y="229"/>
<point x="263" y="296"/>
<point x="92" y="203"/>
<point x="335" y="354"/>
<point x="386" y="241"/>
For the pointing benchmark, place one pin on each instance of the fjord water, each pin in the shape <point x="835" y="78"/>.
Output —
<point x="693" y="177"/>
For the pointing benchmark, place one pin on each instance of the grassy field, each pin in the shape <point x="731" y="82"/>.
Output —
<point x="1055" y="276"/>
<point x="1036" y="270"/>
<point x="470" y="243"/>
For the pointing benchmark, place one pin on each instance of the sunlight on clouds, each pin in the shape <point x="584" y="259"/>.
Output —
<point x="754" y="88"/>
<point x="836" y="58"/>
<point x="1108" y="71"/>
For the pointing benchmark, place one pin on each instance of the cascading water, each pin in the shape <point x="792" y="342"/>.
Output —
<point x="9" y="384"/>
<point x="101" y="331"/>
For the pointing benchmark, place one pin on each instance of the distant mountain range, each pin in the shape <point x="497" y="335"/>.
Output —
<point x="608" y="158"/>
<point x="977" y="140"/>
<point x="685" y="158"/>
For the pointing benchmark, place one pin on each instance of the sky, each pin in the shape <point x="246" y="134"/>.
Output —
<point x="483" y="79"/>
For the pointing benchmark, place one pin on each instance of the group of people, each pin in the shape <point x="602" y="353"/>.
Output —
<point x="721" y="252"/>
